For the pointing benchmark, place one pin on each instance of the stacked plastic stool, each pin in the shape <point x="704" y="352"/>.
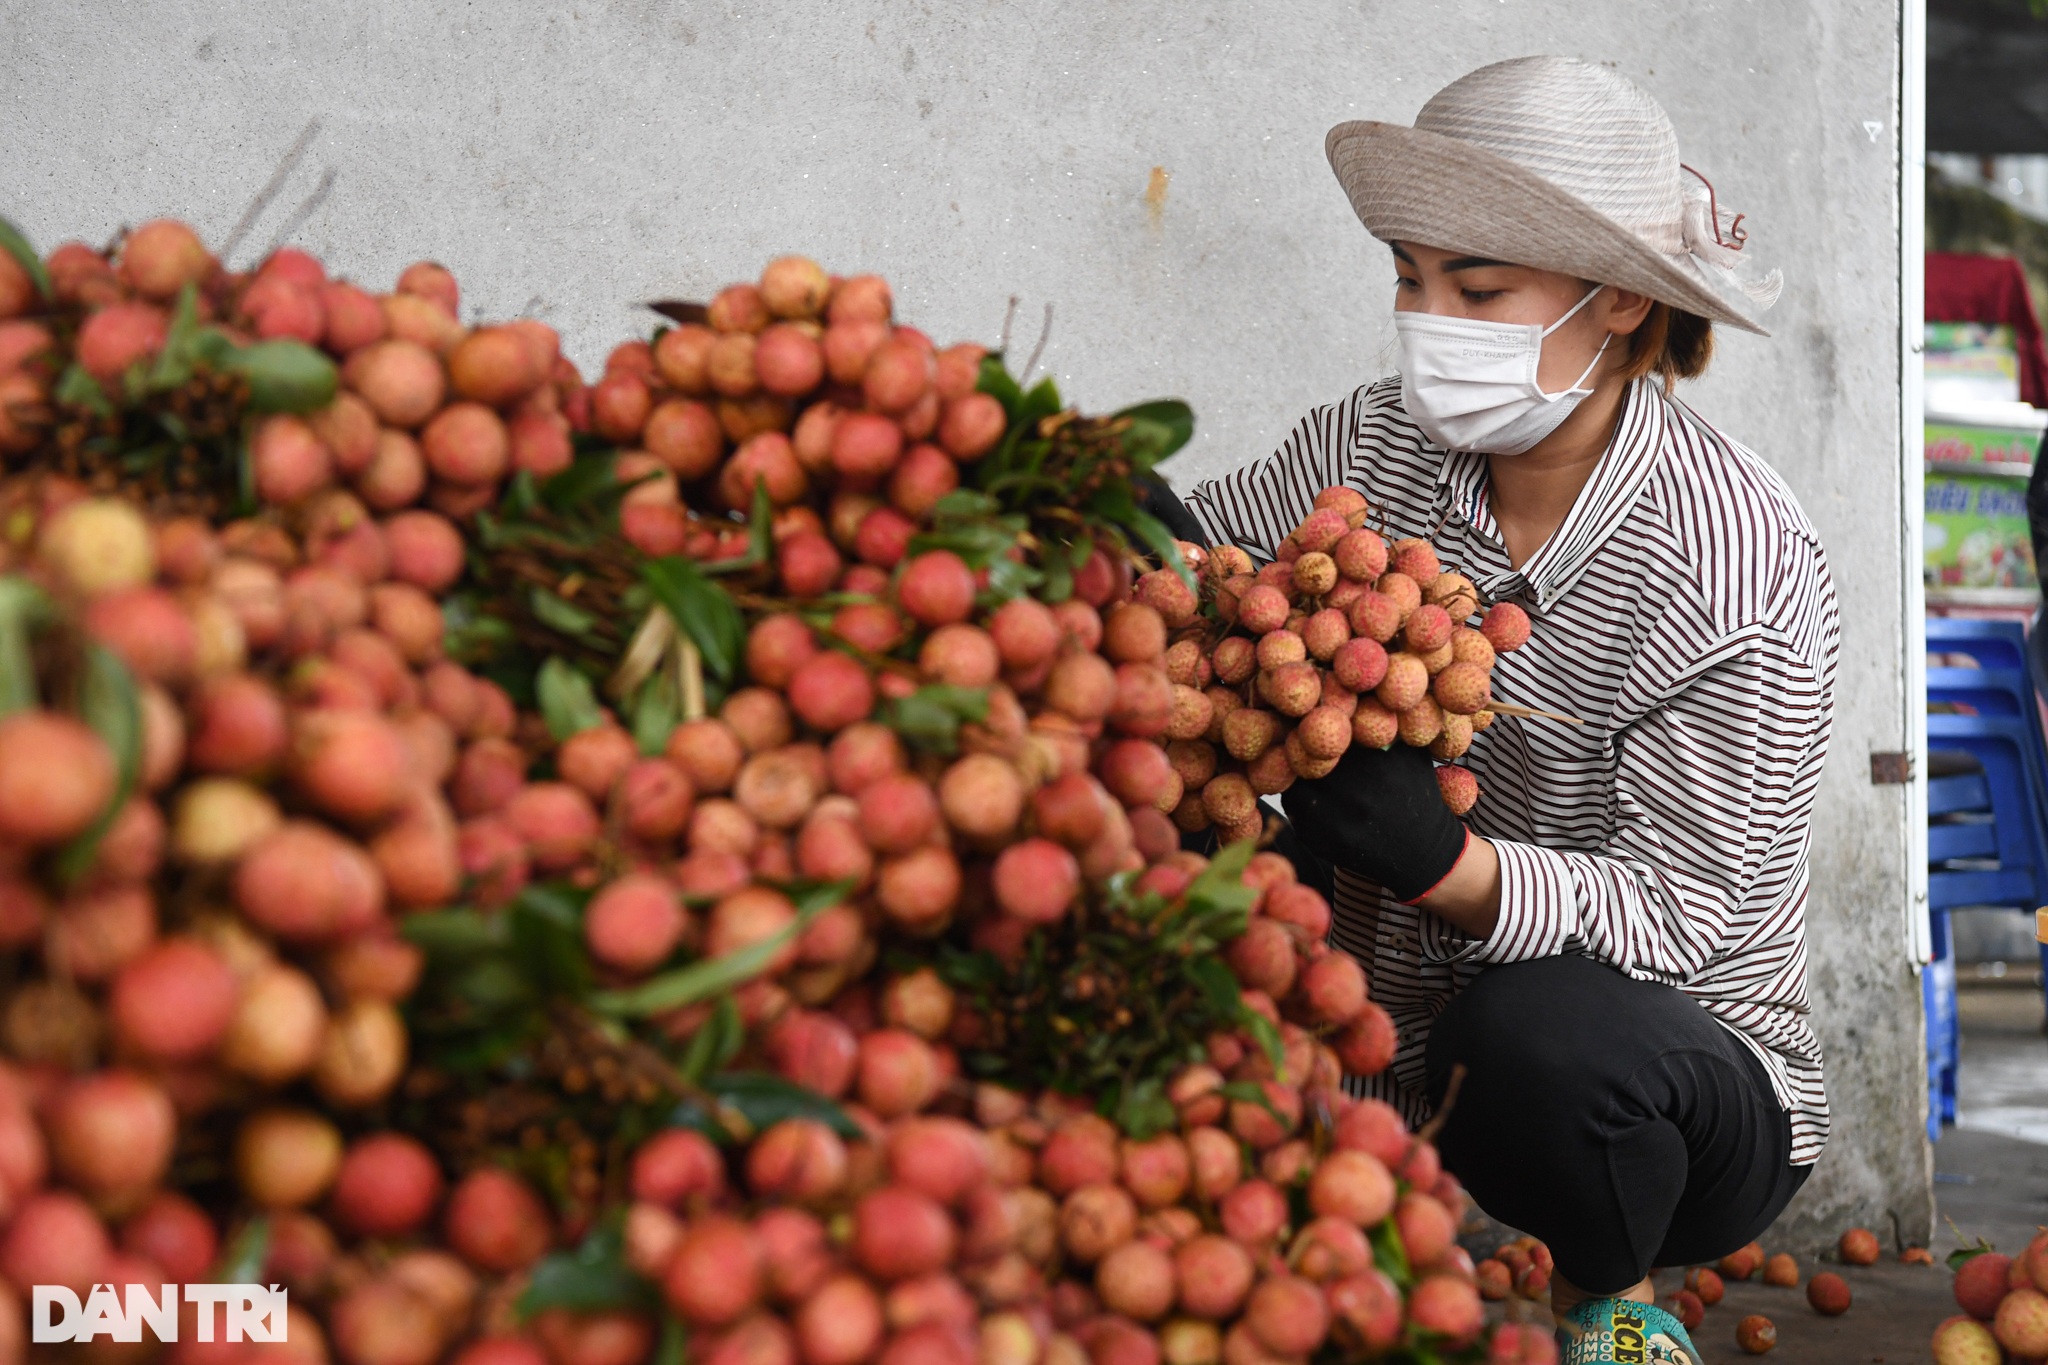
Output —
<point x="1987" y="837"/>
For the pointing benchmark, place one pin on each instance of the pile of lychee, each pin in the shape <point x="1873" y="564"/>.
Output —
<point x="208" y="1024"/>
<point x="2005" y="1308"/>
<point x="1341" y="639"/>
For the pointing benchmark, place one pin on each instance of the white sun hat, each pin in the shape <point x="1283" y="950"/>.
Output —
<point x="1558" y="164"/>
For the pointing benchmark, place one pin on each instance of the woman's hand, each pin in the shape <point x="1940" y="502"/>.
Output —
<point x="1380" y="815"/>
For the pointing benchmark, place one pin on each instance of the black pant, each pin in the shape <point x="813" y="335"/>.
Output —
<point x="1613" y="1118"/>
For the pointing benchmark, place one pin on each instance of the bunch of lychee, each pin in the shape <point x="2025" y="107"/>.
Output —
<point x="2005" y="1308"/>
<point x="312" y="770"/>
<point x="1342" y="639"/>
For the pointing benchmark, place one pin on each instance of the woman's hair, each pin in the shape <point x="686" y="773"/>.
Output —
<point x="1671" y="344"/>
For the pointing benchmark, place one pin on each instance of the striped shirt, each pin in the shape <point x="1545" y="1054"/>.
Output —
<point x="1684" y="610"/>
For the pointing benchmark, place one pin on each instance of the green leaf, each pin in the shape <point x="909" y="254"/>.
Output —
<point x="655" y="716"/>
<point x="812" y="897"/>
<point x="546" y="933"/>
<point x="996" y="380"/>
<point x="17" y="246"/>
<point x="567" y="700"/>
<point x="674" y="1346"/>
<point x="590" y="1279"/>
<point x="1221" y="884"/>
<point x="243" y="1261"/>
<point x="702" y="609"/>
<point x="1218" y="984"/>
<point x="764" y="1099"/>
<point x="1163" y="543"/>
<point x="1265" y="1035"/>
<point x="454" y="933"/>
<point x="77" y="389"/>
<point x="930" y="717"/>
<point x="760" y="527"/>
<point x="285" y="376"/>
<point x="965" y="504"/>
<point x="22" y="606"/>
<point x="109" y="703"/>
<point x="714" y="1044"/>
<point x="588" y="477"/>
<point x="1158" y="429"/>
<point x="713" y="976"/>
<point x="1143" y="1110"/>
<point x="559" y="613"/>
<point x="174" y="362"/>
<point x="1389" y="1254"/>
<point x="1042" y="402"/>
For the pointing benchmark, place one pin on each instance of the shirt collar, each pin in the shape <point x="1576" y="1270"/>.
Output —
<point x="1639" y="437"/>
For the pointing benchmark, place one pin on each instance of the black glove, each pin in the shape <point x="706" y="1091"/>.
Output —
<point x="1380" y="816"/>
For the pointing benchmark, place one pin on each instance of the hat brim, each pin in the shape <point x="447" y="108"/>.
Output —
<point x="1410" y="185"/>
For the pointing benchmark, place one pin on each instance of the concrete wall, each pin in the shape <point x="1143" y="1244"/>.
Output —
<point x="1152" y="168"/>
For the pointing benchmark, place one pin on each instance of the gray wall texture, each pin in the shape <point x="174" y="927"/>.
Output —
<point x="1151" y="168"/>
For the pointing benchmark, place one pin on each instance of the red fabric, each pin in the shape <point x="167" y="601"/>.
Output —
<point x="1991" y="289"/>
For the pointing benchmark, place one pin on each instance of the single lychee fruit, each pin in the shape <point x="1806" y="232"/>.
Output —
<point x="1782" y="1271"/>
<point x="1828" y="1293"/>
<point x="1858" y="1246"/>
<point x="1505" y="626"/>
<point x="1461" y="793"/>
<point x="1406" y="682"/>
<point x="1416" y="558"/>
<point x="1462" y="688"/>
<point x="1756" y="1334"/>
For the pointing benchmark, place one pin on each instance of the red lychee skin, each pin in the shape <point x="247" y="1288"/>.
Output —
<point x="944" y="1158"/>
<point x="594" y="760"/>
<point x="799" y="1160"/>
<point x="1136" y="1280"/>
<point x="898" y="1073"/>
<point x="1448" y="1306"/>
<point x="1756" y="1334"/>
<point x="111" y="1132"/>
<point x="496" y="1222"/>
<point x="500" y="1351"/>
<point x="388" y="1186"/>
<point x="1462" y="688"/>
<point x="900" y="1233"/>
<point x="118" y="336"/>
<point x="936" y="588"/>
<point x="635" y="923"/>
<point x="56" y="776"/>
<point x="1828" y="1293"/>
<point x="1505" y="626"/>
<point x="898" y="813"/>
<point x="1459" y="787"/>
<point x="1288" y="1315"/>
<point x="1036" y="880"/>
<point x="1415" y="558"/>
<point x="1262" y="609"/>
<point x="1361" y="555"/>
<point x="1705" y="1283"/>
<point x="1426" y="1227"/>
<point x="1981" y="1282"/>
<point x="1025" y="631"/>
<point x="676" y="1166"/>
<point x="1094" y="1220"/>
<point x="840" y="1323"/>
<point x="1215" y="1275"/>
<point x="173" y="1233"/>
<point x="717" y="1274"/>
<point x="557" y="821"/>
<point x="1858" y="1246"/>
<point x="174" y="1003"/>
<point x="1254" y="1213"/>
<point x="55" y="1239"/>
<point x="1082" y="1151"/>
<point x="306" y="884"/>
<point x="815" y="1050"/>
<point x="352" y="765"/>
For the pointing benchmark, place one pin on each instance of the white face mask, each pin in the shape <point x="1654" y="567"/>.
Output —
<point x="1471" y="385"/>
